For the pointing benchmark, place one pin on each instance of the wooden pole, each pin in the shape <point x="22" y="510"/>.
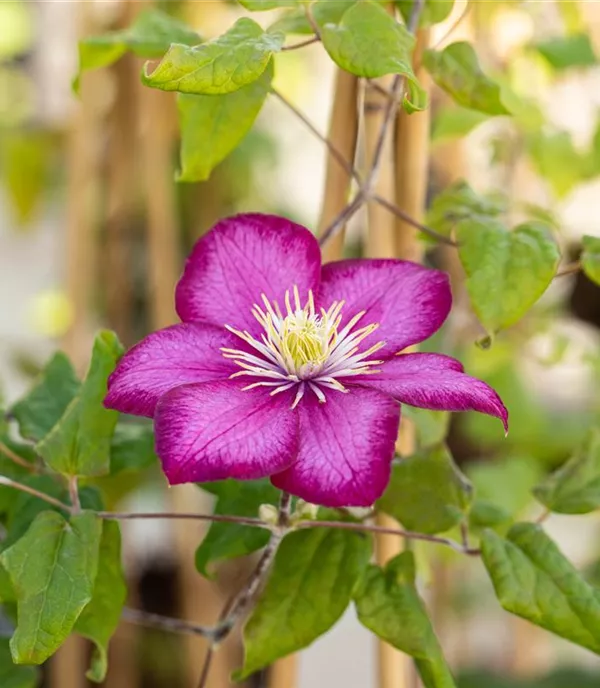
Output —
<point x="342" y="133"/>
<point x="68" y="666"/>
<point x="381" y="243"/>
<point x="121" y="190"/>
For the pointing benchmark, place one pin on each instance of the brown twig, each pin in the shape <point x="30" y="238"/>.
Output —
<point x="347" y="166"/>
<point x="301" y="44"/>
<point x="218" y="518"/>
<point x="74" y="494"/>
<point x="398" y="212"/>
<point x="15" y="458"/>
<point x="35" y="493"/>
<point x="364" y="527"/>
<point x="569" y="269"/>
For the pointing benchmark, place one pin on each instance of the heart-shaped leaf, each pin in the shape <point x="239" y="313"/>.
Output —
<point x="507" y="272"/>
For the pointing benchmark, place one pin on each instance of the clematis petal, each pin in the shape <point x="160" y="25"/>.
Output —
<point x="215" y="430"/>
<point x="346" y="449"/>
<point x="177" y="355"/>
<point x="408" y="301"/>
<point x="240" y="259"/>
<point x="437" y="382"/>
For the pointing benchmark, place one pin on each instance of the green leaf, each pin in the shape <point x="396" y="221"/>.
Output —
<point x="149" y="36"/>
<point x="388" y="604"/>
<point x="42" y="407"/>
<point x="260" y="5"/>
<point x="454" y="122"/>
<point x="533" y="579"/>
<point x="132" y="447"/>
<point x="565" y="52"/>
<point x="369" y="42"/>
<point x="52" y="568"/>
<point x="79" y="444"/>
<point x="556" y="159"/>
<point x="590" y="257"/>
<point x="433" y="12"/>
<point x="223" y="65"/>
<point x="502" y="489"/>
<point x="431" y="426"/>
<point x="458" y="202"/>
<point x="456" y="70"/>
<point x="323" y="12"/>
<point x="311" y="584"/>
<point x="575" y="487"/>
<point x="507" y="272"/>
<point x="212" y="126"/>
<point x="100" y="618"/>
<point x="427" y="493"/>
<point x="13" y="676"/>
<point x="229" y="540"/>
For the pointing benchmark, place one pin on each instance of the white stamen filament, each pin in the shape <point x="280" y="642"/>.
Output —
<point x="303" y="348"/>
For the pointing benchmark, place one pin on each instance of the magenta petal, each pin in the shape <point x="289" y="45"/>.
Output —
<point x="346" y="449"/>
<point x="240" y="259"/>
<point x="177" y="355"/>
<point x="437" y="382"/>
<point x="215" y="431"/>
<point x="408" y="301"/>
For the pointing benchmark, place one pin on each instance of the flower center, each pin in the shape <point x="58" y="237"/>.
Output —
<point x="303" y="348"/>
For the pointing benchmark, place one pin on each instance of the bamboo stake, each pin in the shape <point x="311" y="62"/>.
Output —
<point x="121" y="190"/>
<point x="343" y="133"/>
<point x="392" y="665"/>
<point x="68" y="666"/>
<point x="412" y="162"/>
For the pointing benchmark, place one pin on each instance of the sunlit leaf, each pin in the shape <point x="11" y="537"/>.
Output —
<point x="149" y="36"/>
<point x="558" y="161"/>
<point x="370" y="43"/>
<point x="507" y="272"/>
<point x="565" y="52"/>
<point x="314" y="575"/>
<point x="212" y="126"/>
<point x="456" y="70"/>
<point x="52" y="568"/>
<point x="455" y="122"/>
<point x="457" y="202"/>
<point x="79" y="444"/>
<point x="432" y="12"/>
<point x="388" y="604"/>
<point x="533" y="579"/>
<point x="223" y="65"/>
<point x="427" y="493"/>
<point x="260" y="5"/>
<point x="100" y="618"/>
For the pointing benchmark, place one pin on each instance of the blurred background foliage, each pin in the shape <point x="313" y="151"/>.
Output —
<point x="104" y="237"/>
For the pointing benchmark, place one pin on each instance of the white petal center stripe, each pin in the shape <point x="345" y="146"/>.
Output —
<point x="303" y="348"/>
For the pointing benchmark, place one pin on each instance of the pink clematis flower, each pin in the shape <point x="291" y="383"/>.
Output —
<point x="287" y="368"/>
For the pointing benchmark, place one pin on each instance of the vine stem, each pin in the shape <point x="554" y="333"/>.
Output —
<point x="15" y="458"/>
<point x="301" y="44"/>
<point x="35" y="493"/>
<point x="569" y="269"/>
<point x="391" y="109"/>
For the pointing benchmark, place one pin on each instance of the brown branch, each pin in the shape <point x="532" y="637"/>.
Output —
<point x="15" y="458"/>
<point x="569" y="269"/>
<point x="166" y="623"/>
<point x="363" y="527"/>
<point x="217" y="518"/>
<point x="339" y="157"/>
<point x="398" y="212"/>
<point x="308" y="41"/>
<point x="35" y="493"/>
